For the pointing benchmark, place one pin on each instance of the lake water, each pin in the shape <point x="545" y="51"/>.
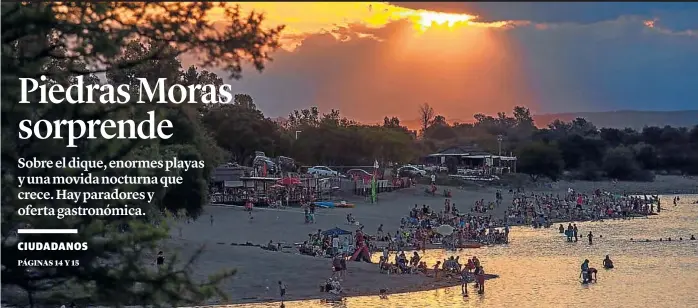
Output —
<point x="540" y="269"/>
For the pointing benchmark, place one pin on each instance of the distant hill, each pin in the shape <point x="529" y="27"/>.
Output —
<point x="626" y="118"/>
<point x="610" y="119"/>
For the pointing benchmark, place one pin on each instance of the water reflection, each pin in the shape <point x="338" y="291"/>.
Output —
<point x="540" y="269"/>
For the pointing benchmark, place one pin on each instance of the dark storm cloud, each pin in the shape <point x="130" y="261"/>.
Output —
<point x="677" y="15"/>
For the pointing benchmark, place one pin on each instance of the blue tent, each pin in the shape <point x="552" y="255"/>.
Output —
<point x="336" y="232"/>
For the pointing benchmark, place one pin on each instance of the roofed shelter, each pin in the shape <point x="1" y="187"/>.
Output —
<point x="474" y="157"/>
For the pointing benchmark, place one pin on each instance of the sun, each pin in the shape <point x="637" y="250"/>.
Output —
<point x="425" y="19"/>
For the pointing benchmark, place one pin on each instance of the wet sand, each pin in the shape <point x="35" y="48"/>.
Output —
<point x="259" y="269"/>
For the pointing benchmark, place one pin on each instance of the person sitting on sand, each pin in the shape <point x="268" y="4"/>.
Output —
<point x="336" y="287"/>
<point x="414" y="261"/>
<point x="607" y="263"/>
<point x="422" y="267"/>
<point x="383" y="264"/>
<point x="401" y="262"/>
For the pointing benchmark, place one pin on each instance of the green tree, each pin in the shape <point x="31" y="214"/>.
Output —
<point x="619" y="163"/>
<point x="539" y="159"/>
<point x="65" y="40"/>
<point x="245" y="100"/>
<point x="242" y="130"/>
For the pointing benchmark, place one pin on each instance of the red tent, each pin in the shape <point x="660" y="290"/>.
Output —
<point x="289" y="181"/>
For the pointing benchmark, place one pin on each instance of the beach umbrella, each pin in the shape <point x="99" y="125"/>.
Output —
<point x="444" y="230"/>
<point x="336" y="232"/>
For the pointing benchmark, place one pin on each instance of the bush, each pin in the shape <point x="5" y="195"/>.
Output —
<point x="620" y="163"/>
<point x="692" y="166"/>
<point x="540" y="159"/>
<point x="588" y="171"/>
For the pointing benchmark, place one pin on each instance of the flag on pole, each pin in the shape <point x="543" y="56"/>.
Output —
<point x="373" y="189"/>
<point x="373" y="181"/>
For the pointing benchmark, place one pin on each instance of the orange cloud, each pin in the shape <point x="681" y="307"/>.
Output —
<point x="304" y="18"/>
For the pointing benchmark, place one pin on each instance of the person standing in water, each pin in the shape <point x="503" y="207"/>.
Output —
<point x="569" y="233"/>
<point x="591" y="237"/>
<point x="585" y="271"/>
<point x="464" y="281"/>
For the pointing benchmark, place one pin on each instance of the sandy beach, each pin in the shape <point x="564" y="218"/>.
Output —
<point x="259" y="269"/>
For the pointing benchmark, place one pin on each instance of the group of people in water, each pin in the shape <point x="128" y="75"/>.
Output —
<point x="542" y="209"/>
<point x="589" y="274"/>
<point x="572" y="233"/>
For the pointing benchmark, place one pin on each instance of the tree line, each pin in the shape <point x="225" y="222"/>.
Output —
<point x="577" y="148"/>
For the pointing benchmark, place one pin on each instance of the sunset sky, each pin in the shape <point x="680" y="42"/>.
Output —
<point x="370" y="60"/>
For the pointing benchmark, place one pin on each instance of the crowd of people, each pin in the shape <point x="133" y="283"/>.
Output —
<point x="324" y="245"/>
<point x="541" y="210"/>
<point x="421" y="228"/>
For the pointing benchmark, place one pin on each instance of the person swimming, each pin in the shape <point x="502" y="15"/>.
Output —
<point x="607" y="263"/>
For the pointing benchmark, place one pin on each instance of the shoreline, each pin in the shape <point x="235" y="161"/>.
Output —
<point x="259" y="269"/>
<point x="258" y="284"/>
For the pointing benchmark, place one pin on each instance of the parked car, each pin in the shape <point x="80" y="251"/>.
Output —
<point x="435" y="168"/>
<point x="322" y="171"/>
<point x="359" y="174"/>
<point x="411" y="171"/>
